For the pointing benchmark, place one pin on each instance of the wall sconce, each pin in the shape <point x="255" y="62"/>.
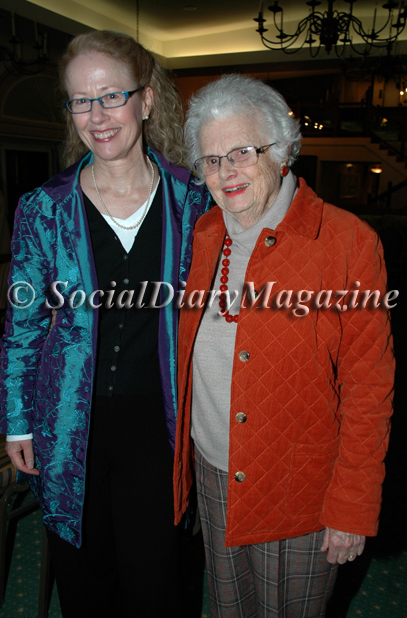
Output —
<point x="376" y="168"/>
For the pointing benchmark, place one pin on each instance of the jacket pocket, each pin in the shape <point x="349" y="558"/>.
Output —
<point x="311" y="470"/>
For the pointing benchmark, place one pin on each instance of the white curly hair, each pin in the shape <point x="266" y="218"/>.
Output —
<point x="235" y="94"/>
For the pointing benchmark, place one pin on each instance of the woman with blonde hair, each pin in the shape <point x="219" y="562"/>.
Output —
<point x="89" y="403"/>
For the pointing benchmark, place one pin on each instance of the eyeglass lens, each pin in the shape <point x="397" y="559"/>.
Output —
<point x="241" y="157"/>
<point x="113" y="99"/>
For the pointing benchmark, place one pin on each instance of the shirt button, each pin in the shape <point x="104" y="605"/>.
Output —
<point x="121" y="325"/>
<point x="113" y="367"/>
<point x="244" y="356"/>
<point x="116" y="348"/>
<point x="125" y="257"/>
<point x="270" y="241"/>
<point x="241" y="417"/>
<point x="110" y="388"/>
<point x="240" y="477"/>
<point x="126" y="281"/>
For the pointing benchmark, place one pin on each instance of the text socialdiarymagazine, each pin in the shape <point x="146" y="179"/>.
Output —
<point x="341" y="300"/>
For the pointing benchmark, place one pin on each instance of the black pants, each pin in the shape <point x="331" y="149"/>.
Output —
<point x="128" y="564"/>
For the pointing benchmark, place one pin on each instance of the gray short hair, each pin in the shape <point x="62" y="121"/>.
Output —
<point x="234" y="94"/>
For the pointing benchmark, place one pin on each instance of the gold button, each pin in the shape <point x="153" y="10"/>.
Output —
<point x="241" y="417"/>
<point x="240" y="477"/>
<point x="270" y="241"/>
<point x="244" y="356"/>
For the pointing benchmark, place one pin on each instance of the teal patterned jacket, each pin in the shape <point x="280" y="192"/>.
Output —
<point x="46" y="375"/>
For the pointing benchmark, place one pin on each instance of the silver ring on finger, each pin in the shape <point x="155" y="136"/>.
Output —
<point x="351" y="557"/>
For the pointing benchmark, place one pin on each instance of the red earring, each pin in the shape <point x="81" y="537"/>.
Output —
<point x="283" y="170"/>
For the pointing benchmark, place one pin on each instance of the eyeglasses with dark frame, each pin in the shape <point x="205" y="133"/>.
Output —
<point x="239" y="157"/>
<point x="108" y="101"/>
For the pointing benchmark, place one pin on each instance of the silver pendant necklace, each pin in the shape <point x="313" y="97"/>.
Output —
<point x="123" y="227"/>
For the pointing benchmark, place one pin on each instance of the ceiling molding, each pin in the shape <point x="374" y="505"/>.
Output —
<point x="216" y="33"/>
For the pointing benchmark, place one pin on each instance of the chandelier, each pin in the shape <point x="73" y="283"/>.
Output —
<point x="384" y="68"/>
<point x="13" y="58"/>
<point x="332" y="29"/>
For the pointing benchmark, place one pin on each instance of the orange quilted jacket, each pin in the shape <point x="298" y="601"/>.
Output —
<point x="316" y="390"/>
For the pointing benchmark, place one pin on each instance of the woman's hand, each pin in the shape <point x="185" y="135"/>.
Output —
<point x="342" y="546"/>
<point x="22" y="455"/>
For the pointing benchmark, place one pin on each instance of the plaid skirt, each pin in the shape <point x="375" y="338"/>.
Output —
<point x="290" y="578"/>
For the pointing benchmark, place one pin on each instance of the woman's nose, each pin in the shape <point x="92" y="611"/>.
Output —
<point x="226" y="169"/>
<point x="97" y="113"/>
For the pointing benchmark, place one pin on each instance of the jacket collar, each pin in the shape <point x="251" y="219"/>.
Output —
<point x="180" y="173"/>
<point x="305" y="213"/>
<point x="303" y="217"/>
<point x="61" y="185"/>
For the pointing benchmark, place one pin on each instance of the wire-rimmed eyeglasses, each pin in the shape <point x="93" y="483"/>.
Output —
<point x="108" y="101"/>
<point x="239" y="157"/>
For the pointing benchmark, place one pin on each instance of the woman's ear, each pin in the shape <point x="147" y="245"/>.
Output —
<point x="148" y="97"/>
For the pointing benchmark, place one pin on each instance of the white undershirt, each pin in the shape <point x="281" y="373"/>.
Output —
<point x="127" y="237"/>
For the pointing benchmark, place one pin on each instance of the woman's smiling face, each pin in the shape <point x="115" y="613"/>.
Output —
<point x="114" y="133"/>
<point x="245" y="193"/>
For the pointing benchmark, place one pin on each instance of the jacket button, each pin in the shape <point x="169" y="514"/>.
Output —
<point x="270" y="241"/>
<point x="240" y="477"/>
<point x="244" y="356"/>
<point x="241" y="417"/>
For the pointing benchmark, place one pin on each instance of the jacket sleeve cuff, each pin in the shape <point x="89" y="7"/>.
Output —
<point x="27" y="436"/>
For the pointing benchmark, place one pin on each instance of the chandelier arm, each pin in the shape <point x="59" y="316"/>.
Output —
<point x="290" y="39"/>
<point x="290" y="52"/>
<point x="5" y="54"/>
<point x="300" y="29"/>
<point x="312" y="53"/>
<point x="315" y="21"/>
<point x="13" y="67"/>
<point x="361" y="53"/>
<point x="358" y="28"/>
<point x="280" y="30"/>
<point x="279" y="45"/>
<point x="344" y="22"/>
<point x="340" y="53"/>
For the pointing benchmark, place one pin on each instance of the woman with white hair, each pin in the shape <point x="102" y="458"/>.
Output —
<point x="285" y="375"/>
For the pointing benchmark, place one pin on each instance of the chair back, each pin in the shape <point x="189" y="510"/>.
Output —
<point x="8" y="472"/>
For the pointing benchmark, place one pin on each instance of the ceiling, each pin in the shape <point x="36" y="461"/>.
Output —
<point x="185" y="33"/>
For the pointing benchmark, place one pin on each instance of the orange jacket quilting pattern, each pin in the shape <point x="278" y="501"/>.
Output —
<point x="316" y="390"/>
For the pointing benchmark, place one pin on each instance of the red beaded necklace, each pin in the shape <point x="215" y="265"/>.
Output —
<point x="224" y="279"/>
